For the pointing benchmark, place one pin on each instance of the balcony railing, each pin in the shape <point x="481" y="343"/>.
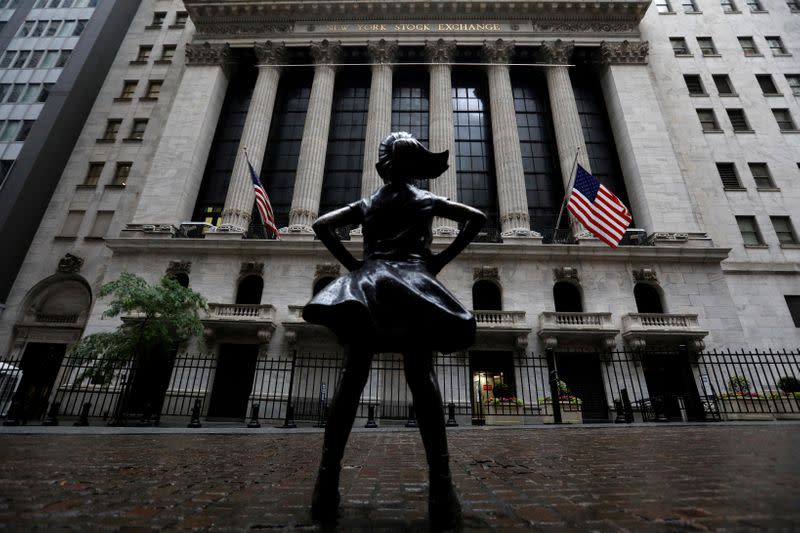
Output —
<point x="648" y="329"/>
<point x="564" y="320"/>
<point x="499" y="319"/>
<point x="659" y="322"/>
<point x="56" y="319"/>
<point x="241" y="312"/>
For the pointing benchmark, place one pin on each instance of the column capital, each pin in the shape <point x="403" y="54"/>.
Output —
<point x="498" y="51"/>
<point x="440" y="51"/>
<point x="326" y="52"/>
<point x="624" y="53"/>
<point x="558" y="51"/>
<point x="208" y="55"/>
<point x="382" y="51"/>
<point x="269" y="53"/>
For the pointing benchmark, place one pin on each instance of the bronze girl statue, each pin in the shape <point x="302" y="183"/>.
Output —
<point x="392" y="302"/>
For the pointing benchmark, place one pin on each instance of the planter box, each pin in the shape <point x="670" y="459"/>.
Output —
<point x="745" y="409"/>
<point x="571" y="413"/>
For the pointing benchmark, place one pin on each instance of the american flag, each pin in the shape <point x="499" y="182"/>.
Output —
<point x="262" y="201"/>
<point x="598" y="209"/>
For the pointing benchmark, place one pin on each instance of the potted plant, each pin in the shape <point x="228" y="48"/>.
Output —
<point x="786" y="403"/>
<point x="739" y="402"/>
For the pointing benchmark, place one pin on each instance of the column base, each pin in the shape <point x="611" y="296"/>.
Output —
<point x="531" y="239"/>
<point x="225" y="236"/>
<point x="149" y="231"/>
<point x="295" y="235"/>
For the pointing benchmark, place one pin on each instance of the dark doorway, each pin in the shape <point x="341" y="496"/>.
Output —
<point x="487" y="370"/>
<point x="567" y="298"/>
<point x="150" y="380"/>
<point x="250" y="289"/>
<point x="671" y="384"/>
<point x="233" y="381"/>
<point x="582" y="374"/>
<point x="39" y="365"/>
<point x="486" y="296"/>
<point x="648" y="300"/>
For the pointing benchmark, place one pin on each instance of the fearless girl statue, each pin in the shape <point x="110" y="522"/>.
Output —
<point x="392" y="302"/>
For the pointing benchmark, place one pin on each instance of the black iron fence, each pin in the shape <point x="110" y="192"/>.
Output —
<point x="568" y="387"/>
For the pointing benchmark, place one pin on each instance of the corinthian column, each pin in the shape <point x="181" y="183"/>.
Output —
<point x="311" y="163"/>
<point x="566" y="121"/>
<point x="440" y="54"/>
<point x="240" y="198"/>
<point x="379" y="117"/>
<point x="511" y="193"/>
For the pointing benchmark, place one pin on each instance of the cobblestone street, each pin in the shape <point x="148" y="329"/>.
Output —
<point x="654" y="478"/>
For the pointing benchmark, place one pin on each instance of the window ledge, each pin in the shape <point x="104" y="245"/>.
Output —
<point x="129" y="140"/>
<point x="138" y="62"/>
<point x="753" y="55"/>
<point x="114" y="186"/>
<point x="756" y="246"/>
<point x="712" y="55"/>
<point x="154" y="27"/>
<point x="163" y="62"/>
<point x="699" y="95"/>
<point x="790" y="245"/>
<point x="105" y="141"/>
<point x="759" y="11"/>
<point x="692" y="12"/>
<point x="667" y="13"/>
<point x="177" y="26"/>
<point x="734" y="189"/>
<point x="790" y="131"/>
<point x="148" y="99"/>
<point x="728" y="95"/>
<point x="768" y="189"/>
<point x="684" y="55"/>
<point x="84" y="186"/>
<point x="773" y="94"/>
<point x="713" y="131"/>
<point x="737" y="12"/>
<point x="123" y="99"/>
<point x="93" y="238"/>
<point x="744" y="131"/>
<point x="65" y="237"/>
<point x="787" y="54"/>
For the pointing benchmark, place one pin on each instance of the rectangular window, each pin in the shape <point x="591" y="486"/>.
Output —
<point x="784" y="119"/>
<point x="689" y="6"/>
<point x="727" y="173"/>
<point x="31" y="94"/>
<point x="45" y="92"/>
<point x="768" y="86"/>
<point x="24" y="130"/>
<point x="181" y="17"/>
<point x="40" y="4"/>
<point x="16" y="92"/>
<point x="755" y="6"/>
<point x="708" y="121"/>
<point x="10" y="131"/>
<point x="79" y="27"/>
<point x="694" y="84"/>
<point x="707" y="47"/>
<point x="154" y="89"/>
<point x="137" y="130"/>
<point x="7" y="58"/>
<point x="63" y="57"/>
<point x="52" y="29"/>
<point x="679" y="46"/>
<point x="793" y="303"/>
<point x="738" y="120"/>
<point x="22" y="57"/>
<point x="784" y="230"/>
<point x="794" y="83"/>
<point x="144" y="53"/>
<point x="728" y="6"/>
<point x="93" y="175"/>
<point x="36" y="58"/>
<point x="761" y="175"/>
<point x="128" y="89"/>
<point x="4" y="88"/>
<point x="38" y="30"/>
<point x="723" y="84"/>
<point x="26" y="28"/>
<point x="776" y="45"/>
<point x="121" y="174"/>
<point x="67" y="28"/>
<point x="72" y="224"/>
<point x="749" y="229"/>
<point x="794" y="5"/>
<point x="663" y="6"/>
<point x="158" y="19"/>
<point x="748" y="46"/>
<point x="112" y="129"/>
<point x="49" y="60"/>
<point x="167" y="53"/>
<point x="102" y="221"/>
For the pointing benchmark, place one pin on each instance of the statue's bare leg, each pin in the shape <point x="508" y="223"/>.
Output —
<point x="325" y="500"/>
<point x="443" y="506"/>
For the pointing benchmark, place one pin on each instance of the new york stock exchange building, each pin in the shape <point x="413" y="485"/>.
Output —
<point x="693" y="317"/>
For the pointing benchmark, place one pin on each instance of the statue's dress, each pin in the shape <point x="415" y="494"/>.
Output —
<point x="393" y="303"/>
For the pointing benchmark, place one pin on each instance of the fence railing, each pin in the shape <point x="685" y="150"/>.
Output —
<point x="284" y="390"/>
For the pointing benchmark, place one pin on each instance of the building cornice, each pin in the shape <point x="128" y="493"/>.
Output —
<point x="233" y="19"/>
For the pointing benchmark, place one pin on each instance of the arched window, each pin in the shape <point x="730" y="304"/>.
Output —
<point x="320" y="284"/>
<point x="648" y="299"/>
<point x="182" y="278"/>
<point x="249" y="291"/>
<point x="567" y="297"/>
<point x="486" y="296"/>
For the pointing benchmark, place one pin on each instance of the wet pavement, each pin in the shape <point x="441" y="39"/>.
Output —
<point x="721" y="477"/>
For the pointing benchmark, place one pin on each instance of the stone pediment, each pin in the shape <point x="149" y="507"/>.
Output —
<point x="218" y="19"/>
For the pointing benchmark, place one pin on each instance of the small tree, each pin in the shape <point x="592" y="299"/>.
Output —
<point x="156" y="318"/>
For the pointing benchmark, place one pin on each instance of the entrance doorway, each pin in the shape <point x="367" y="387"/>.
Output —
<point x="149" y="384"/>
<point x="582" y="374"/>
<point x="233" y="381"/>
<point x="671" y="386"/>
<point x="39" y="365"/>
<point x="489" y="370"/>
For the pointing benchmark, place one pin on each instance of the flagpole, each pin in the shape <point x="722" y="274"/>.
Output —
<point x="569" y="188"/>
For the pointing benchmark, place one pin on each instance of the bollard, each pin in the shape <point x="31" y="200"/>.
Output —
<point x="12" y="418"/>
<point x="620" y="418"/>
<point x="555" y="394"/>
<point x="371" y="417"/>
<point x="83" y="420"/>
<point x="412" y="418"/>
<point x="195" y="420"/>
<point x="626" y="406"/>
<point x="52" y="415"/>
<point x="254" y="416"/>
<point x="451" y="415"/>
<point x="288" y="422"/>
